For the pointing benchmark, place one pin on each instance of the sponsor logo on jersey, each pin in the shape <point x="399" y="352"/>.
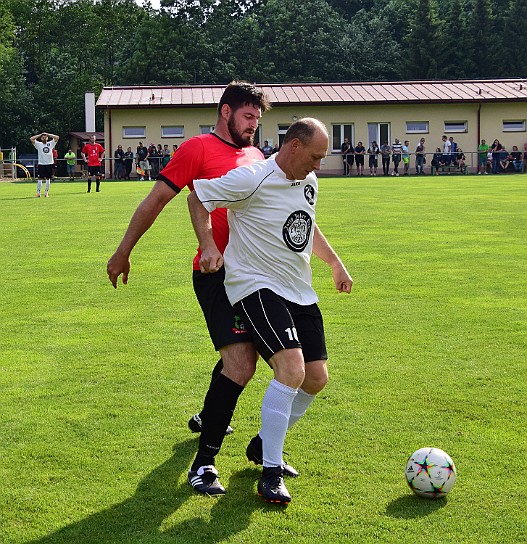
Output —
<point x="296" y="231"/>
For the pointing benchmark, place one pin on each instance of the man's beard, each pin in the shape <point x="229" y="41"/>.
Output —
<point x="243" y="139"/>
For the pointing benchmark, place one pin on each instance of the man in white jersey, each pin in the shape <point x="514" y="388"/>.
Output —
<point x="268" y="279"/>
<point x="44" y="149"/>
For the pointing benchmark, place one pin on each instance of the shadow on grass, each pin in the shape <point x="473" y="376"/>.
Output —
<point x="411" y="506"/>
<point x="140" y="518"/>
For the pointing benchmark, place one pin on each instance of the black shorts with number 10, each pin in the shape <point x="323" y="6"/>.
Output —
<point x="223" y="321"/>
<point x="277" y="324"/>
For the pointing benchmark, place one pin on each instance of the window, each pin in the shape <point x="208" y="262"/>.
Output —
<point x="134" y="132"/>
<point x="417" y="127"/>
<point x="514" y="126"/>
<point x="206" y="129"/>
<point x="339" y="133"/>
<point x="379" y="132"/>
<point x="456" y="126"/>
<point x="172" y="132"/>
<point x="282" y="129"/>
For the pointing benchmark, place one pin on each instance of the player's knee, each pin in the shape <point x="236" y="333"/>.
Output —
<point x="239" y="362"/>
<point x="316" y="378"/>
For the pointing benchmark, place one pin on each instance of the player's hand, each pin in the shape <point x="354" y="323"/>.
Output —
<point x="343" y="281"/>
<point x="117" y="265"/>
<point x="211" y="261"/>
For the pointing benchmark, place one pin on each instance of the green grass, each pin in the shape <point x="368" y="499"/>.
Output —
<point x="429" y="349"/>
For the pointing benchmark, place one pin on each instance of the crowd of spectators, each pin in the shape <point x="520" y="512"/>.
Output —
<point x="448" y="156"/>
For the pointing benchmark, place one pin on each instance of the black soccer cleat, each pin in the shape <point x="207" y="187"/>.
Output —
<point x="205" y="480"/>
<point x="271" y="486"/>
<point x="195" y="424"/>
<point x="255" y="454"/>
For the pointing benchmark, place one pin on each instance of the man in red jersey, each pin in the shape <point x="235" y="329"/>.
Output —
<point x="93" y="154"/>
<point x="208" y="156"/>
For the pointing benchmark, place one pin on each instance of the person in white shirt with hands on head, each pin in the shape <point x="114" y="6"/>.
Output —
<point x="268" y="277"/>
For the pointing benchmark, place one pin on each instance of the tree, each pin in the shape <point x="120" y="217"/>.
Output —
<point x="15" y="103"/>
<point x="484" y="51"/>
<point x="421" y="61"/>
<point x="513" y="38"/>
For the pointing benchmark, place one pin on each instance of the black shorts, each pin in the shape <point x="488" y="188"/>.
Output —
<point x="350" y="159"/>
<point x="94" y="170"/>
<point x="45" y="171"/>
<point x="373" y="162"/>
<point x="223" y="321"/>
<point x="278" y="324"/>
<point x="359" y="160"/>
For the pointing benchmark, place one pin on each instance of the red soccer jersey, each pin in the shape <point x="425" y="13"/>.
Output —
<point x="94" y="153"/>
<point x="206" y="157"/>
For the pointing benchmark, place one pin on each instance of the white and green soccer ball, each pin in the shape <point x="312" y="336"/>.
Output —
<point x="430" y="473"/>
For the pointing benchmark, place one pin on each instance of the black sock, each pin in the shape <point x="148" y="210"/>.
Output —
<point x="98" y="184"/>
<point x="220" y="403"/>
<point x="216" y="371"/>
<point x="89" y="186"/>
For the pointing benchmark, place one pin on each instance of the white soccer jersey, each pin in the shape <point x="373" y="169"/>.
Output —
<point x="271" y="221"/>
<point x="45" y="151"/>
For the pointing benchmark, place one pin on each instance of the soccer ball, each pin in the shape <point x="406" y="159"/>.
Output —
<point x="430" y="473"/>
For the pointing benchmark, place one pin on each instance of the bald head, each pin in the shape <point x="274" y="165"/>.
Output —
<point x="304" y="130"/>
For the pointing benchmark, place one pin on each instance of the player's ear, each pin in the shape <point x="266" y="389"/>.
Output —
<point x="226" y="111"/>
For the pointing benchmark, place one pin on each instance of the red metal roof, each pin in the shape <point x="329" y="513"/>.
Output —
<point x="321" y="93"/>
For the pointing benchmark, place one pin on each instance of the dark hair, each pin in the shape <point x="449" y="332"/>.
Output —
<point x="241" y="93"/>
<point x="303" y="130"/>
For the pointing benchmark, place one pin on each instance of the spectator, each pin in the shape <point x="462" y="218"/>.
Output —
<point x="447" y="145"/>
<point x="483" y="150"/>
<point x="55" y="163"/>
<point x="420" y="159"/>
<point x="71" y="162"/>
<point x="373" y="161"/>
<point x="453" y="150"/>
<point x="267" y="150"/>
<point x="397" y="150"/>
<point x="276" y="148"/>
<point x="359" y="158"/>
<point x="406" y="157"/>
<point x="516" y="158"/>
<point x="119" y="163"/>
<point x="438" y="159"/>
<point x="166" y="155"/>
<point x="460" y="160"/>
<point x="128" y="162"/>
<point x="153" y="158"/>
<point x="174" y="149"/>
<point x="143" y="163"/>
<point x="345" y="149"/>
<point x="385" y="156"/>
<point x="496" y="148"/>
<point x="504" y="159"/>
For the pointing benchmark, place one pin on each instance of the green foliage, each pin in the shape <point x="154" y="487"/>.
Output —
<point x="52" y="51"/>
<point x="428" y="350"/>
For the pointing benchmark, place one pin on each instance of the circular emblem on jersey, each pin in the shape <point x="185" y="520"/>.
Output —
<point x="309" y="193"/>
<point x="296" y="231"/>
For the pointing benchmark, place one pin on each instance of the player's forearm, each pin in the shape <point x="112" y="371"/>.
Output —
<point x="323" y="250"/>
<point x="201" y="222"/>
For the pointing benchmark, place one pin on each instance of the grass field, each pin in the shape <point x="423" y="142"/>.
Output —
<point x="429" y="349"/>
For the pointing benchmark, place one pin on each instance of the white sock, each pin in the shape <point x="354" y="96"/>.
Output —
<point x="276" y="411"/>
<point x="300" y="405"/>
<point x="39" y="186"/>
<point x="48" y="183"/>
